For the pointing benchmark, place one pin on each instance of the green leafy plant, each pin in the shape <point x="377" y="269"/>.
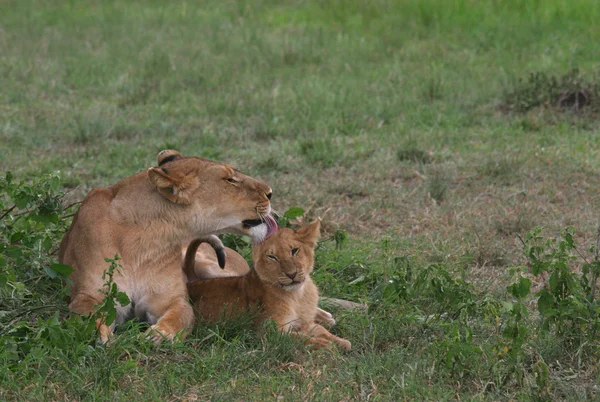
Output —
<point x="341" y="238"/>
<point x="238" y="243"/>
<point x="515" y="328"/>
<point x="321" y="151"/>
<point x="570" y="90"/>
<point x="30" y="221"/>
<point x="567" y="301"/>
<point x="290" y="214"/>
<point x="460" y="353"/>
<point x="107" y="310"/>
<point x="443" y="293"/>
<point x="32" y="314"/>
<point x="542" y="379"/>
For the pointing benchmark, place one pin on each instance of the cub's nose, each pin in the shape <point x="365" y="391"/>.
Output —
<point x="269" y="194"/>
<point x="291" y="276"/>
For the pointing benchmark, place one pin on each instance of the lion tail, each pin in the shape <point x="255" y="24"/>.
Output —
<point x="190" y="254"/>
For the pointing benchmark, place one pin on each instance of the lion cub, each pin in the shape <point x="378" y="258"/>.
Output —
<point x="278" y="288"/>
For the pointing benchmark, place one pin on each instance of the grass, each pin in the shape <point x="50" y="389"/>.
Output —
<point x="387" y="119"/>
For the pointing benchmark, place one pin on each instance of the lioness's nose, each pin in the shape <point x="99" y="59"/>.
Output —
<point x="291" y="276"/>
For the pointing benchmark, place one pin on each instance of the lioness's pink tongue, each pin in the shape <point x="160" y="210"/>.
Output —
<point x="271" y="226"/>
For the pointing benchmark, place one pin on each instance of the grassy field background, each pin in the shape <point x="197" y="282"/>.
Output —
<point x="392" y="120"/>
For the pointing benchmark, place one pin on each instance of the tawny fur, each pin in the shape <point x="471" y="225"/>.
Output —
<point x="279" y="287"/>
<point x="145" y="219"/>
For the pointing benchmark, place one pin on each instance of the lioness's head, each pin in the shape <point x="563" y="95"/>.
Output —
<point x="216" y="197"/>
<point x="286" y="258"/>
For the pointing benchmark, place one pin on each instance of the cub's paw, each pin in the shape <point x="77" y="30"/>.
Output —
<point x="157" y="333"/>
<point x="319" y="343"/>
<point x="324" y="318"/>
<point x="344" y="344"/>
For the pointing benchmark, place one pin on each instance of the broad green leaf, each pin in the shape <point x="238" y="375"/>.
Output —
<point x="61" y="269"/>
<point x="520" y="289"/>
<point x="15" y="237"/>
<point x="111" y="315"/>
<point x="545" y="301"/>
<point x="13" y="252"/>
<point x="22" y="200"/>
<point x="554" y="282"/>
<point x="50" y="272"/>
<point x="54" y="182"/>
<point x="123" y="299"/>
<point x="507" y="306"/>
<point x="293" y="212"/>
<point x="47" y="243"/>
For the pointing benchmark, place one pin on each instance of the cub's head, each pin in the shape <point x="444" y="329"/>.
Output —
<point x="213" y="197"/>
<point x="286" y="258"/>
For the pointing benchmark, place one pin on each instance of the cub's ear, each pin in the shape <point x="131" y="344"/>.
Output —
<point x="174" y="189"/>
<point x="166" y="156"/>
<point x="311" y="232"/>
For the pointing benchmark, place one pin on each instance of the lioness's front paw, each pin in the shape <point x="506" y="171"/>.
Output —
<point x="105" y="333"/>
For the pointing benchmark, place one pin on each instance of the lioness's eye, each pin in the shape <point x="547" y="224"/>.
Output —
<point x="295" y="251"/>
<point x="272" y="257"/>
<point x="231" y="180"/>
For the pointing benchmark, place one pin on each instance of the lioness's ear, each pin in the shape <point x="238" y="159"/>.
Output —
<point x="170" y="187"/>
<point x="311" y="232"/>
<point x="168" y="155"/>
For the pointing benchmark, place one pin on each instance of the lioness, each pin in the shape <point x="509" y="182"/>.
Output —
<point x="278" y="288"/>
<point x="145" y="219"/>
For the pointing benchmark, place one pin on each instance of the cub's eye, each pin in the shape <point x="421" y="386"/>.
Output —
<point x="231" y="180"/>
<point x="272" y="257"/>
<point x="295" y="251"/>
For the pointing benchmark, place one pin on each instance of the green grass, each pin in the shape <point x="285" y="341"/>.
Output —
<point x="386" y="118"/>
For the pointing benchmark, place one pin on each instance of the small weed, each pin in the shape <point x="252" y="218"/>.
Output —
<point x="324" y="152"/>
<point x="146" y="83"/>
<point x="124" y="131"/>
<point x="411" y="153"/>
<point x="433" y="89"/>
<point x="270" y="164"/>
<point x="515" y="222"/>
<point x="107" y="310"/>
<point x="488" y="252"/>
<point x="568" y="302"/>
<point x="571" y="91"/>
<point x="438" y="184"/>
<point x="265" y="135"/>
<point x="91" y="127"/>
<point x="503" y="170"/>
<point x="289" y="215"/>
<point x="237" y="243"/>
